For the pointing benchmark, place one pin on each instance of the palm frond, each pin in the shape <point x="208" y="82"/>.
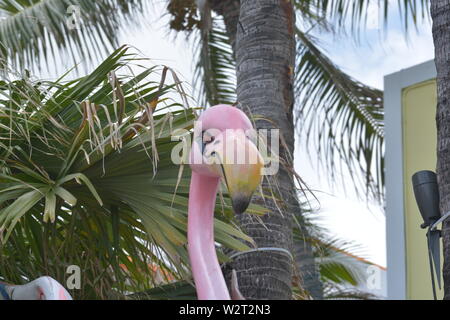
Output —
<point x="341" y="269"/>
<point x="32" y="31"/>
<point x="215" y="75"/>
<point x="337" y="264"/>
<point x="342" y="119"/>
<point x="354" y="13"/>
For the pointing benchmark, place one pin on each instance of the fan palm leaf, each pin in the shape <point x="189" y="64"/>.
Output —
<point x="87" y="179"/>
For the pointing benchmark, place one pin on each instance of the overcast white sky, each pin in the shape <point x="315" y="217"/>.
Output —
<point x="376" y="55"/>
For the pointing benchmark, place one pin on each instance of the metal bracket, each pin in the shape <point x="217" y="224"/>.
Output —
<point x="441" y="219"/>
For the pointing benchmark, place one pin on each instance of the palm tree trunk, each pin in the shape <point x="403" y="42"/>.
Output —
<point x="440" y="13"/>
<point x="265" y="57"/>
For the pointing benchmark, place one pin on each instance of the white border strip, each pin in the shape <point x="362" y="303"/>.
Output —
<point x="395" y="222"/>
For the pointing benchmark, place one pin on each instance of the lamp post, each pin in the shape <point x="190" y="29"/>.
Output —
<point x="426" y="193"/>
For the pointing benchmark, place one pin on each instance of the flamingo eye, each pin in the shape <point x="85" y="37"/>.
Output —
<point x="206" y="139"/>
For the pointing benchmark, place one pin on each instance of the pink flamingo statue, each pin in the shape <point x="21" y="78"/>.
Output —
<point x="218" y="142"/>
<point x="43" y="288"/>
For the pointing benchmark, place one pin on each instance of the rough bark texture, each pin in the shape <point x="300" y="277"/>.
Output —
<point x="440" y="12"/>
<point x="265" y="57"/>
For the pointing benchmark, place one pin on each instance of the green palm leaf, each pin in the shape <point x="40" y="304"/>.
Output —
<point x="354" y="13"/>
<point x="215" y="77"/>
<point x="87" y="179"/>
<point x="32" y="31"/>
<point x="341" y="118"/>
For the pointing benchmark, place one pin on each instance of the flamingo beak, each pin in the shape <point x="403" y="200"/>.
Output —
<point x="241" y="181"/>
<point x="240" y="168"/>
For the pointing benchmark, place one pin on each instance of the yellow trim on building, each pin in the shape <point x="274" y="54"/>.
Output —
<point x="419" y="153"/>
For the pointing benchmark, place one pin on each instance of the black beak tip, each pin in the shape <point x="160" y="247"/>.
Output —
<point x="240" y="203"/>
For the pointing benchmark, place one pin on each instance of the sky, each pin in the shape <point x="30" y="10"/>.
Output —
<point x="377" y="53"/>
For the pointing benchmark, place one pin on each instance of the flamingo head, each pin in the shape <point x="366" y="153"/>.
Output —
<point x="50" y="289"/>
<point x="43" y="288"/>
<point x="224" y="146"/>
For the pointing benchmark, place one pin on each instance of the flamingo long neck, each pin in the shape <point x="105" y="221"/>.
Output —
<point x="208" y="277"/>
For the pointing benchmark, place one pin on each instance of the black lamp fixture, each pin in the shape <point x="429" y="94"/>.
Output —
<point x="427" y="197"/>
